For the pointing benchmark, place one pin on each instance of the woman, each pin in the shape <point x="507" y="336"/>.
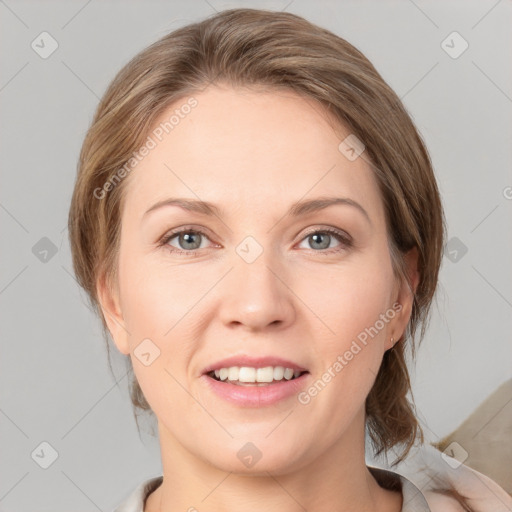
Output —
<point x="257" y="222"/>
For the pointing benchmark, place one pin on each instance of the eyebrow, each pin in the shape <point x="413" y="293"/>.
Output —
<point x="297" y="209"/>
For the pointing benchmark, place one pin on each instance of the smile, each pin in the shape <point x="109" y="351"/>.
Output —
<point x="247" y="375"/>
<point x="260" y="390"/>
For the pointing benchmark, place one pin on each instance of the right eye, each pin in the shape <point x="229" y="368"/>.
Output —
<point x="189" y="239"/>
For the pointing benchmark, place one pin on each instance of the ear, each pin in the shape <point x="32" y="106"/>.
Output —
<point x="108" y="297"/>
<point x="404" y="296"/>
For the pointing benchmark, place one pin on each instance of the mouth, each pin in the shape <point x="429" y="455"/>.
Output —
<point x="245" y="370"/>
<point x="255" y="386"/>
<point x="252" y="376"/>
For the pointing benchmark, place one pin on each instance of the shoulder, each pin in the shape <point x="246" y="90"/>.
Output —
<point x="438" y="502"/>
<point x="137" y="498"/>
<point x="449" y="485"/>
<point x="415" y="496"/>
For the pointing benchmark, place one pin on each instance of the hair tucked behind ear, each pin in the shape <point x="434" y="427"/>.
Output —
<point x="273" y="51"/>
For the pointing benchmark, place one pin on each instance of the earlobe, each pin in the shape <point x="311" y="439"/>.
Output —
<point x="110" y="307"/>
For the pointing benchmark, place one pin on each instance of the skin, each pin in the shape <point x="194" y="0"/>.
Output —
<point x="254" y="153"/>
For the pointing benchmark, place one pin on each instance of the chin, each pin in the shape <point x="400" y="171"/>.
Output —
<point x="258" y="458"/>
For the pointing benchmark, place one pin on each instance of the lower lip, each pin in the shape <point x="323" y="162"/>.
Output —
<point x="256" y="396"/>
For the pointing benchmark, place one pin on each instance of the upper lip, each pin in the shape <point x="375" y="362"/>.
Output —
<point x="253" y="362"/>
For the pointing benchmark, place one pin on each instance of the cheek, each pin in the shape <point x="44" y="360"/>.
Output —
<point x="165" y="303"/>
<point x="354" y="304"/>
<point x="348" y="348"/>
<point x="350" y="300"/>
<point x="154" y="295"/>
<point x="160" y="319"/>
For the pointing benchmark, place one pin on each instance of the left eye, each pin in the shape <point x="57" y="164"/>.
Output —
<point x="190" y="240"/>
<point x="322" y="239"/>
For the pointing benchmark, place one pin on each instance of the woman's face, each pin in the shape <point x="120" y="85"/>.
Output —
<point x="262" y="279"/>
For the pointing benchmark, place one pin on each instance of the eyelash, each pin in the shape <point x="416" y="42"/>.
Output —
<point x="345" y="240"/>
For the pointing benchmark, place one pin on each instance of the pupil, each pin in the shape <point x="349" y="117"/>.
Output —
<point x="317" y="235"/>
<point x="186" y="237"/>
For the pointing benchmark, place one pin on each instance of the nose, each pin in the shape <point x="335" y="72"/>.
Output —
<point x="256" y="294"/>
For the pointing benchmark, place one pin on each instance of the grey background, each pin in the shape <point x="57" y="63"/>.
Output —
<point x="56" y="386"/>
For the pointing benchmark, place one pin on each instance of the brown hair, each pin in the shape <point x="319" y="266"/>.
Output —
<point x="249" y="47"/>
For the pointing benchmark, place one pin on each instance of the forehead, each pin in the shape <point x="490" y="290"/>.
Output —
<point x="253" y="147"/>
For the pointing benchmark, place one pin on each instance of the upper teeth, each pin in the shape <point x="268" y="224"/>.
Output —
<point x="248" y="374"/>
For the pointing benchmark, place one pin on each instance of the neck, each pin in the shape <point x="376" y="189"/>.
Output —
<point x="337" y="480"/>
